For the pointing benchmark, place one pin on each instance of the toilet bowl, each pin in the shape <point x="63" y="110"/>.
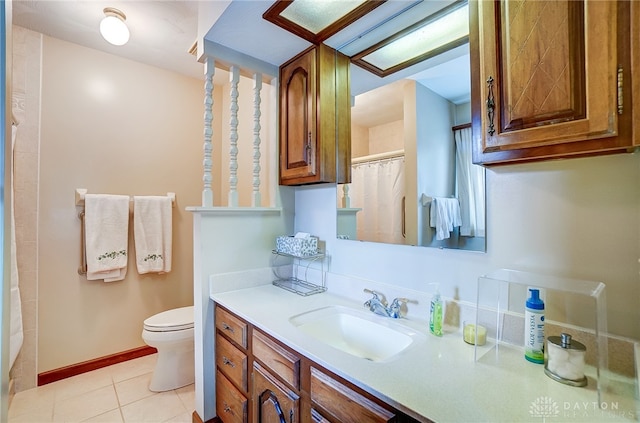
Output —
<point x="171" y="333"/>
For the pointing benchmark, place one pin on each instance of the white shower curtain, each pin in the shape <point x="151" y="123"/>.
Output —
<point x="16" y="335"/>
<point x="378" y="188"/>
<point x="469" y="186"/>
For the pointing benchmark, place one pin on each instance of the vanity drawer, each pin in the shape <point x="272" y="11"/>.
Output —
<point x="232" y="362"/>
<point x="231" y="405"/>
<point x="280" y="360"/>
<point x="232" y="327"/>
<point x="345" y="404"/>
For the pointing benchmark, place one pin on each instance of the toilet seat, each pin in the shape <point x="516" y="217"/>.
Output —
<point x="170" y="320"/>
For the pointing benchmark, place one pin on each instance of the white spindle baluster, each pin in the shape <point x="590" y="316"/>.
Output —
<point x="209" y="70"/>
<point x="346" y="201"/>
<point x="234" y="78"/>
<point x="257" y="86"/>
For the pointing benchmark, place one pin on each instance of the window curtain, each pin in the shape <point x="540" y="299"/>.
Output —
<point x="377" y="188"/>
<point x="469" y="186"/>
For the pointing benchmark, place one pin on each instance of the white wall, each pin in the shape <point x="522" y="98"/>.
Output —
<point x="576" y="218"/>
<point x="115" y="126"/>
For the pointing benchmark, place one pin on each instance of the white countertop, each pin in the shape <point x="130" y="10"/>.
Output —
<point x="434" y="378"/>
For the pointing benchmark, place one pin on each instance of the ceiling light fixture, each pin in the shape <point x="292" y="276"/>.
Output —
<point x="113" y="27"/>
<point x="315" y="21"/>
<point x="440" y="32"/>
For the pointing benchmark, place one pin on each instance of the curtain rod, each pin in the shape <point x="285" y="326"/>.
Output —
<point x="379" y="156"/>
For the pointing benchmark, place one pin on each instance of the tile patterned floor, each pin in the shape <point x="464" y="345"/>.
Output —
<point x="117" y="394"/>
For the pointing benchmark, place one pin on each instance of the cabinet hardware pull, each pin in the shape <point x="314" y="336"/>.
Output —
<point x="276" y="404"/>
<point x="620" y="90"/>
<point x="491" y="106"/>
<point x="307" y="149"/>
<point x="227" y="409"/>
<point x="227" y="327"/>
<point x="228" y="362"/>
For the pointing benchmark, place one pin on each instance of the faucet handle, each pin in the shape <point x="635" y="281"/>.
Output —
<point x="395" y="309"/>
<point x="377" y="296"/>
<point x="400" y="300"/>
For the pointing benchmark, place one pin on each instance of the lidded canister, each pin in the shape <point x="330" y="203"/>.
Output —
<point x="564" y="360"/>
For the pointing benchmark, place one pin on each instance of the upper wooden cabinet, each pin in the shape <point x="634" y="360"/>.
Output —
<point x="554" y="79"/>
<point x="315" y="124"/>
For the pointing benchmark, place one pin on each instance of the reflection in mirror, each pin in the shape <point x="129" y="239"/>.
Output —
<point x="413" y="181"/>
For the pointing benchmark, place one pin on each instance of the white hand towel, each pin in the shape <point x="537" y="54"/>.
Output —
<point x="106" y="236"/>
<point x="445" y="215"/>
<point x="152" y="221"/>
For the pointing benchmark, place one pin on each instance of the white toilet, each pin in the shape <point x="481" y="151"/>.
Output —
<point x="171" y="333"/>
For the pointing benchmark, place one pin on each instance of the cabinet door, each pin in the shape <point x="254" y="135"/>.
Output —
<point x="548" y="79"/>
<point x="274" y="402"/>
<point x="298" y="117"/>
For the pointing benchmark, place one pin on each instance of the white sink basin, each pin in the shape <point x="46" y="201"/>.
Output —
<point x="359" y="333"/>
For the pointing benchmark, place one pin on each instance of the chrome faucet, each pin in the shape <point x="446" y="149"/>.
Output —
<point x="378" y="305"/>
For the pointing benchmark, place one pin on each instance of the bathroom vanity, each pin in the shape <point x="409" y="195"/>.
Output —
<point x="266" y="365"/>
<point x="260" y="379"/>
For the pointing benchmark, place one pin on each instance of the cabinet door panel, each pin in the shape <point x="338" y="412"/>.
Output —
<point x="298" y="111"/>
<point x="275" y="403"/>
<point x="547" y="85"/>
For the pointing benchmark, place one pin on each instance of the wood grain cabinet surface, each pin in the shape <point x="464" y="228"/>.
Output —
<point x="554" y="80"/>
<point x="315" y="124"/>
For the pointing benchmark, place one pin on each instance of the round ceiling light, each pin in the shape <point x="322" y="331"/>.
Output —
<point x="113" y="27"/>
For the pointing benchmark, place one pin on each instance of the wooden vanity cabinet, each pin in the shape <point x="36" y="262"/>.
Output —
<point x="315" y="124"/>
<point x="284" y="385"/>
<point x="554" y="80"/>
<point x="232" y="361"/>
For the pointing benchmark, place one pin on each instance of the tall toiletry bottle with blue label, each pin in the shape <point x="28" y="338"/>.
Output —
<point x="534" y="328"/>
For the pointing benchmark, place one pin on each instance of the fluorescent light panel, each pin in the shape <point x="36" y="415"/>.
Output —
<point x="317" y="20"/>
<point x="317" y="15"/>
<point x="434" y="35"/>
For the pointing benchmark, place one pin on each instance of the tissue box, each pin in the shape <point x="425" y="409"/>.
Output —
<point x="297" y="246"/>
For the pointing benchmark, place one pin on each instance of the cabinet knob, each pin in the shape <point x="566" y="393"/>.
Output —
<point x="227" y="327"/>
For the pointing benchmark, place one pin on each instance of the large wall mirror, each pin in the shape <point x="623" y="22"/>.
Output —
<point x="413" y="181"/>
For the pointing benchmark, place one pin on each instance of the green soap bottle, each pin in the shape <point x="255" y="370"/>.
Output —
<point x="435" y="316"/>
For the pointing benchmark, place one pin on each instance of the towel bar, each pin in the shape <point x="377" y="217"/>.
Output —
<point x="80" y="193"/>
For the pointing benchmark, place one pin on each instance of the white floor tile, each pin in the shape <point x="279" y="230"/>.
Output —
<point x="187" y="395"/>
<point x="133" y="368"/>
<point x="113" y="416"/>
<point x="182" y="418"/>
<point x="133" y="389"/>
<point x="87" y="405"/>
<point x="157" y="408"/>
<point x="114" y="394"/>
<point x="85" y="382"/>
<point x="33" y="401"/>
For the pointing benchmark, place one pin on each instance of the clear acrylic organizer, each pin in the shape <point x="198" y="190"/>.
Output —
<point x="577" y="307"/>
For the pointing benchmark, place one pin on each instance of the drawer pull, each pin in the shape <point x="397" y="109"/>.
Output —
<point x="227" y="327"/>
<point x="228" y="362"/>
